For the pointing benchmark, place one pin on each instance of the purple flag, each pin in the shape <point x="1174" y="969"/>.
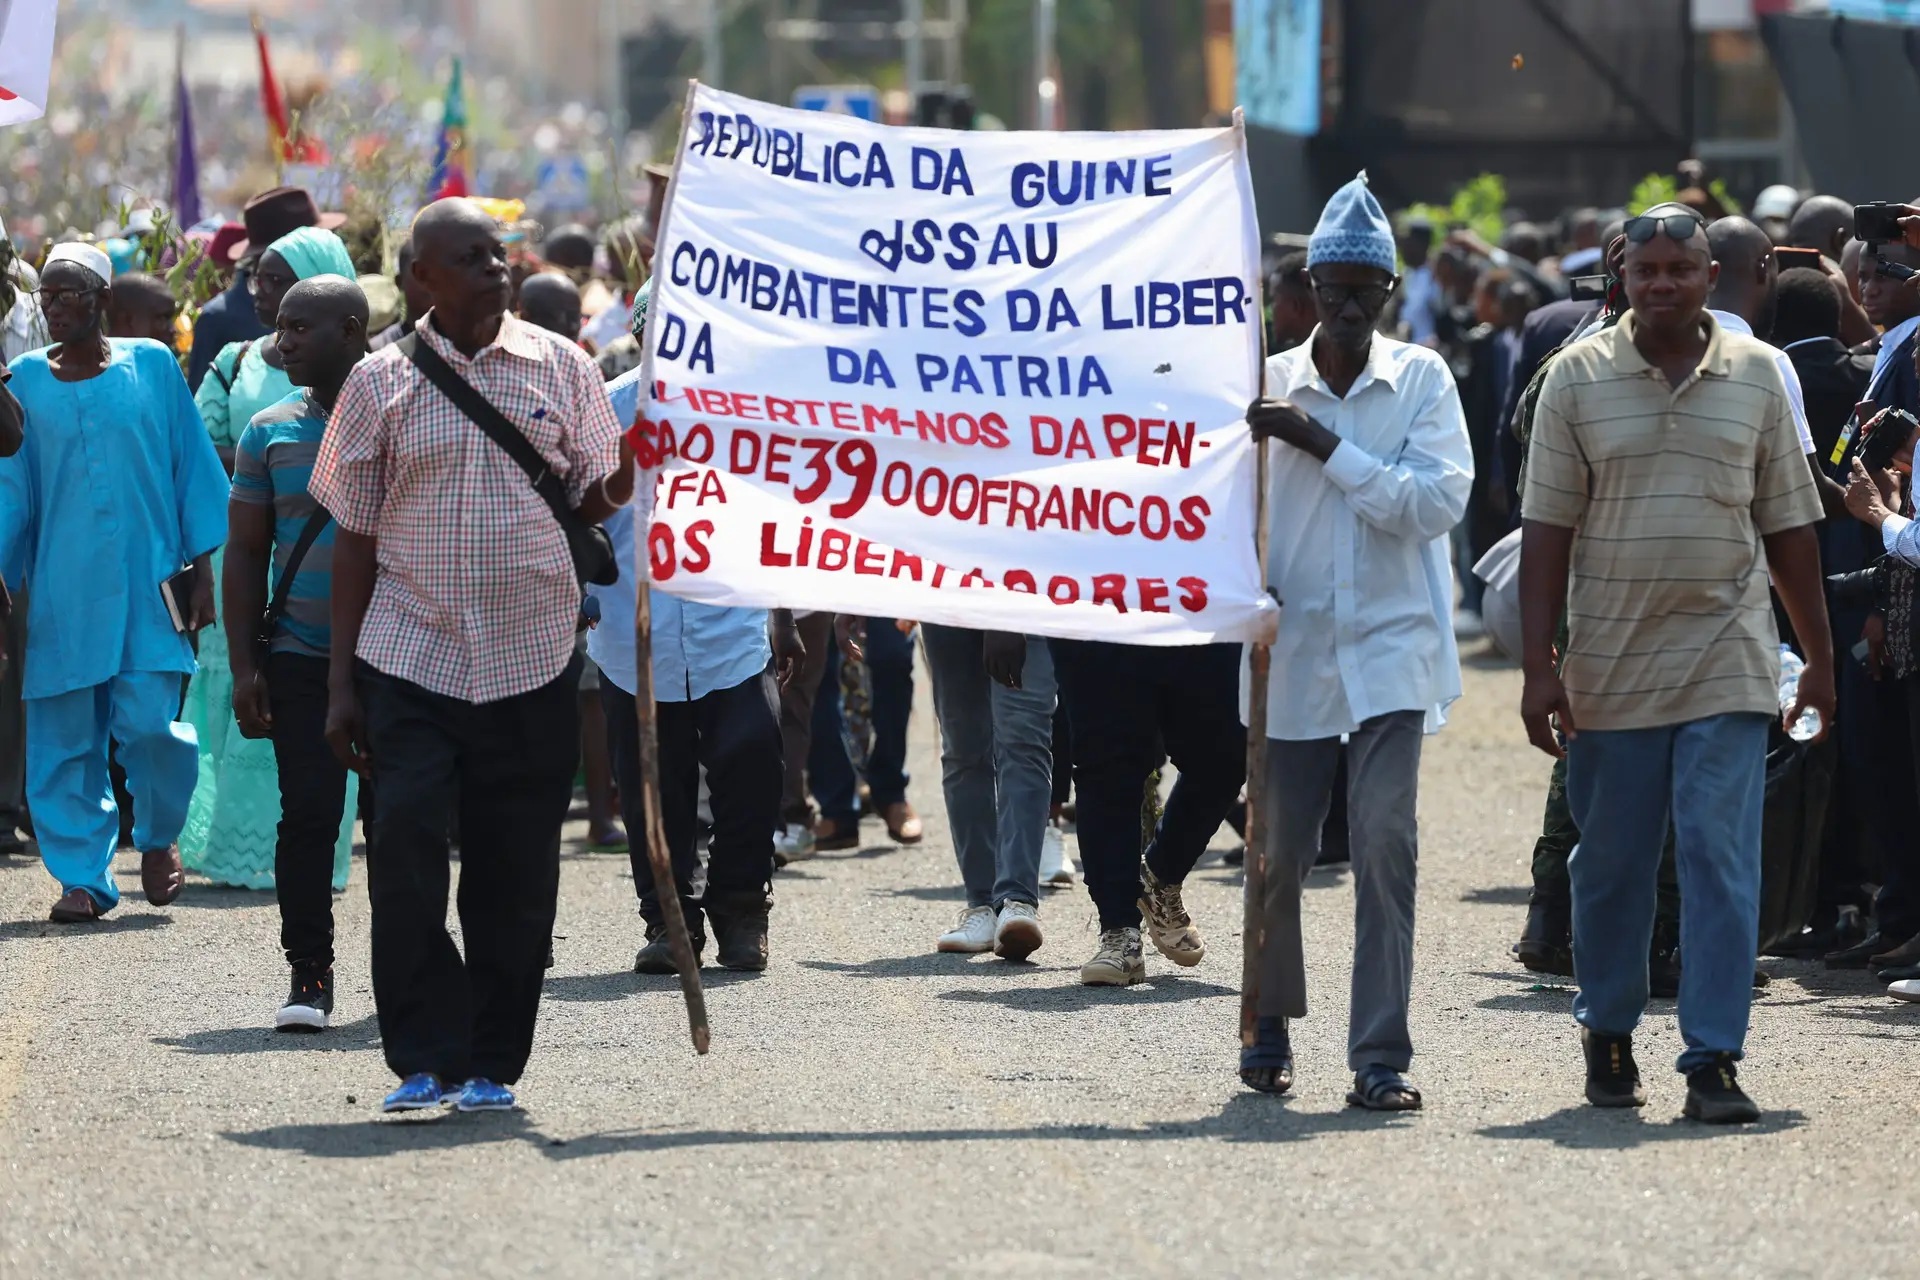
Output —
<point x="186" y="168"/>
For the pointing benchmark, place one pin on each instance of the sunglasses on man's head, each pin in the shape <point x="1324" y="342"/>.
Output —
<point x="1678" y="226"/>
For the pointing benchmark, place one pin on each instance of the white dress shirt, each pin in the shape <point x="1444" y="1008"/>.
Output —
<point x="1357" y="547"/>
<point x="1788" y="374"/>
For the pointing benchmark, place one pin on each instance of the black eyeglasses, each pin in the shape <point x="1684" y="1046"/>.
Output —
<point x="63" y="297"/>
<point x="1678" y="226"/>
<point x="1333" y="297"/>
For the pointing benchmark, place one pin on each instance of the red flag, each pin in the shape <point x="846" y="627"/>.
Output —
<point x="287" y="147"/>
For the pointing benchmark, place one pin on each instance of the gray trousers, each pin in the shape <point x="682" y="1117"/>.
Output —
<point x="1383" y="780"/>
<point x="996" y="761"/>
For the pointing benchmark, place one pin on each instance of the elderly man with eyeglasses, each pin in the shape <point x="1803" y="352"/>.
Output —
<point x="1371" y="471"/>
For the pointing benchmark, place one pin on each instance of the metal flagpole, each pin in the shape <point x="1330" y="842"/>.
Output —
<point x="666" y="889"/>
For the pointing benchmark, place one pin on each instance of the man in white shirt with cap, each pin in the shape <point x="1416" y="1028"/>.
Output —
<point x="1370" y="470"/>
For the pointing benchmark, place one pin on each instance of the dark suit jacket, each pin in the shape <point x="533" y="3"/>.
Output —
<point x="227" y="318"/>
<point x="1545" y="329"/>
<point x="1833" y="380"/>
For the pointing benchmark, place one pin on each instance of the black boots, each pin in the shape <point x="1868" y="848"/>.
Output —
<point x="739" y="923"/>
<point x="1546" y="944"/>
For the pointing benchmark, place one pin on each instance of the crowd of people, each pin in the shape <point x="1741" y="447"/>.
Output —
<point x="283" y="588"/>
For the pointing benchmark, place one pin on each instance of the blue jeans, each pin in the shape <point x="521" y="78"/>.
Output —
<point x="1621" y="784"/>
<point x="835" y="786"/>
<point x="996" y="759"/>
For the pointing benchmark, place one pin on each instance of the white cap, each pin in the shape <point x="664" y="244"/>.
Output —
<point x="83" y="255"/>
<point x="1777" y="201"/>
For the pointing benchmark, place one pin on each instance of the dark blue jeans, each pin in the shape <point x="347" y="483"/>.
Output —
<point x="1622" y="784"/>
<point x="835" y="785"/>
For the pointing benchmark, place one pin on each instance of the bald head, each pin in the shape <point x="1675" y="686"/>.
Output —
<point x="321" y="332"/>
<point x="1747" y="272"/>
<point x="452" y="218"/>
<point x="461" y="262"/>
<point x="1737" y="244"/>
<point x="1821" y="222"/>
<point x="551" y="301"/>
<point x="330" y="296"/>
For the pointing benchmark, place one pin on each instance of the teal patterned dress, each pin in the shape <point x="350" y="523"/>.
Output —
<point x="233" y="822"/>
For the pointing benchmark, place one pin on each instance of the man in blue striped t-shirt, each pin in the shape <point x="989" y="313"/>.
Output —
<point x="322" y="335"/>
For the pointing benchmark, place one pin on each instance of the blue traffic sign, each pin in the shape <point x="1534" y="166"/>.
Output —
<point x="861" y="101"/>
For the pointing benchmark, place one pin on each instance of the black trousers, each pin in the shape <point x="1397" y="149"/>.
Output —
<point x="507" y="768"/>
<point x="1126" y="702"/>
<point x="313" y="794"/>
<point x="735" y="734"/>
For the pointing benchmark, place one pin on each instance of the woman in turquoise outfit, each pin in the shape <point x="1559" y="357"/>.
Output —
<point x="234" y="821"/>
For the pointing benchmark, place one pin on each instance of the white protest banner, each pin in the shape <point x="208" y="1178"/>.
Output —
<point x="26" y="58"/>
<point x="993" y="380"/>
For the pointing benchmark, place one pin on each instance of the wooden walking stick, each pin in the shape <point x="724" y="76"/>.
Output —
<point x="665" y="888"/>
<point x="1253" y="923"/>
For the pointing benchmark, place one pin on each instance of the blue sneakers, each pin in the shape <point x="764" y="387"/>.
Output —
<point x="418" y="1092"/>
<point x="482" y="1094"/>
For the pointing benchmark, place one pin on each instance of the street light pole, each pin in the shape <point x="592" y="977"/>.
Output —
<point x="1046" y="89"/>
<point x="915" y="13"/>
<point x="711" y="66"/>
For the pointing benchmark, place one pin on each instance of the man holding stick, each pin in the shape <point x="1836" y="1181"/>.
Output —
<point x="453" y="674"/>
<point x="1373" y="472"/>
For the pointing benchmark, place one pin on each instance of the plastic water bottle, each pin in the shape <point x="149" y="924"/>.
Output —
<point x="1808" y="725"/>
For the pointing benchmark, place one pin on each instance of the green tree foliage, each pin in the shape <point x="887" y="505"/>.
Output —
<point x="1480" y="205"/>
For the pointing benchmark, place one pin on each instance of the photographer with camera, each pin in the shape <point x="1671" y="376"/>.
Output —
<point x="1880" y="481"/>
<point x="1873" y="616"/>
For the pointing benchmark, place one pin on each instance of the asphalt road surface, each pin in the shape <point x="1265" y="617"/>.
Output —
<point x="871" y="1108"/>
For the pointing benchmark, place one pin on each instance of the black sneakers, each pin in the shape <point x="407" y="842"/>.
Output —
<point x="1714" y="1096"/>
<point x="309" y="1002"/>
<point x="1613" y="1078"/>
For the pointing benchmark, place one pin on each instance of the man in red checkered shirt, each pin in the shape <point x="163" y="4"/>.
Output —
<point x="453" y="676"/>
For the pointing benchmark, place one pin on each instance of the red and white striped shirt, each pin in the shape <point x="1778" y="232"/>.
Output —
<point x="475" y="596"/>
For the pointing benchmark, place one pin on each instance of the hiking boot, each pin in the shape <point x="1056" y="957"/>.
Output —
<point x="739" y="923"/>
<point x="1117" y="963"/>
<point x="1714" y="1095"/>
<point x="1546" y="942"/>
<point x="1167" y="922"/>
<point x="1613" y="1078"/>
<point x="657" y="955"/>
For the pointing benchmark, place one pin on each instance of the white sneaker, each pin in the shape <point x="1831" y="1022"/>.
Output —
<point x="972" y="933"/>
<point x="1017" y="936"/>
<point x="793" y="843"/>
<point x="1904" y="989"/>
<point x="1117" y="963"/>
<point x="1056" y="868"/>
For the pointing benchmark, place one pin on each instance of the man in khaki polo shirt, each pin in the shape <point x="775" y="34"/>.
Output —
<point x="1666" y="474"/>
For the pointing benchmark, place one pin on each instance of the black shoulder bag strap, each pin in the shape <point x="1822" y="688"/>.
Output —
<point x="592" y="552"/>
<point x="283" y="586"/>
<point x="226" y="381"/>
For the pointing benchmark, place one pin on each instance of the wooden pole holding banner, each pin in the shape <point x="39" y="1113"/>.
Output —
<point x="1259" y="658"/>
<point x="666" y="889"/>
<point x="1253" y="925"/>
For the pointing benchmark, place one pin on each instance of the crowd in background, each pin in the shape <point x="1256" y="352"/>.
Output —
<point x="781" y="731"/>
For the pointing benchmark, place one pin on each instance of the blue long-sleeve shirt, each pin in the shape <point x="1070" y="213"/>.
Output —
<point x="697" y="648"/>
